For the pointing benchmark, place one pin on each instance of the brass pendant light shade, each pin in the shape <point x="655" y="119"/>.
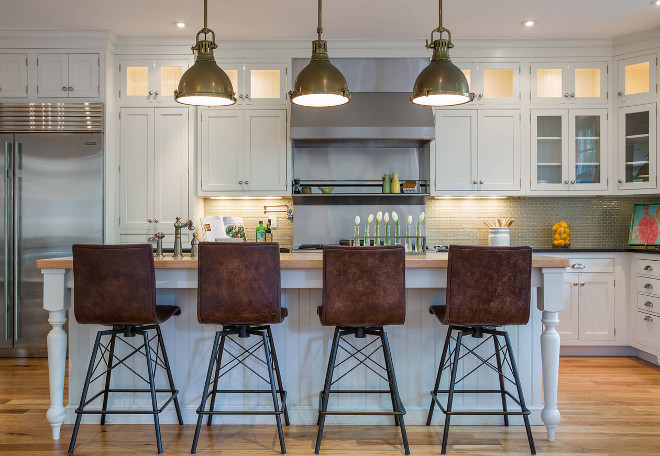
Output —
<point x="320" y="84"/>
<point x="441" y="83"/>
<point x="204" y="83"/>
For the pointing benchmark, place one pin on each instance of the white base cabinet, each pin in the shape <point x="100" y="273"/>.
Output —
<point x="645" y="304"/>
<point x="154" y="185"/>
<point x="243" y="152"/>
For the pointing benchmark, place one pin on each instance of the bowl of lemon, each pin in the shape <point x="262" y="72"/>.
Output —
<point x="562" y="237"/>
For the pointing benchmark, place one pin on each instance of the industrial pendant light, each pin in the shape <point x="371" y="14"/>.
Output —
<point x="441" y="83"/>
<point x="204" y="83"/>
<point x="320" y="84"/>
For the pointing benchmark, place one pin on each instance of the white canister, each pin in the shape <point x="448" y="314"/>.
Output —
<point x="499" y="237"/>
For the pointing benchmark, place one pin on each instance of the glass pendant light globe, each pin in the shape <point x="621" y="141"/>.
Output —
<point x="320" y="84"/>
<point x="204" y="83"/>
<point x="441" y="83"/>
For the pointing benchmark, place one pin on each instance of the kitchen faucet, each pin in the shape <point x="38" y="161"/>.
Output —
<point x="178" y="225"/>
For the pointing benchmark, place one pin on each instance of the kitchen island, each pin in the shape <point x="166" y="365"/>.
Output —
<point x="303" y="345"/>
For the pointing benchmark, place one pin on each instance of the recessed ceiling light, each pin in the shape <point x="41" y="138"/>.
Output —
<point x="532" y="22"/>
<point x="655" y="2"/>
<point x="180" y="24"/>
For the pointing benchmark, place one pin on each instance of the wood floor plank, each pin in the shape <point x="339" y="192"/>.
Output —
<point x="610" y="407"/>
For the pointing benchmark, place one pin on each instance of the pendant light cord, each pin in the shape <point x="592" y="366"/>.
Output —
<point x="439" y="13"/>
<point x="319" y="29"/>
<point x="205" y="27"/>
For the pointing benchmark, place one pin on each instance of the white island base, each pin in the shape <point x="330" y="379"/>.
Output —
<point x="303" y="347"/>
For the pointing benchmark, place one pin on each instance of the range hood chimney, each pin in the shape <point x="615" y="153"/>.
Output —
<point x="380" y="107"/>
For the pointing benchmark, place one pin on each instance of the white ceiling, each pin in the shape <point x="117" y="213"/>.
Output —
<point x="343" y="19"/>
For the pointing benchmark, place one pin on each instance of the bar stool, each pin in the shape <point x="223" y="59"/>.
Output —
<point x="115" y="285"/>
<point x="363" y="290"/>
<point x="487" y="287"/>
<point x="239" y="287"/>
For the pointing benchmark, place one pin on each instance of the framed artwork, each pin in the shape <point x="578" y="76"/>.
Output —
<point x="645" y="225"/>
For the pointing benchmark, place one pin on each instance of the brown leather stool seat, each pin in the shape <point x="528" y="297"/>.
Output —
<point x="239" y="287"/>
<point x="115" y="285"/>
<point x="487" y="287"/>
<point x="363" y="290"/>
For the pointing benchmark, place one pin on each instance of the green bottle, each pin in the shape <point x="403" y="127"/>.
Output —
<point x="261" y="232"/>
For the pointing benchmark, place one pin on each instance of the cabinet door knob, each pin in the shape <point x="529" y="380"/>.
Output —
<point x="620" y="94"/>
<point x="566" y="181"/>
<point x="481" y="182"/>
<point x="149" y="220"/>
<point x="156" y="93"/>
<point x="581" y="284"/>
<point x="64" y="89"/>
<point x="247" y="182"/>
<point x="240" y="95"/>
<point x="566" y="95"/>
<point x="572" y="95"/>
<point x="578" y="266"/>
<point x="648" y="304"/>
<point x="156" y="220"/>
<point x="620" y="181"/>
<point x="247" y="96"/>
<point x="474" y="182"/>
<point x="575" y="284"/>
<point x="150" y="93"/>
<point x="572" y="182"/>
<point x="648" y="267"/>
<point x="648" y="286"/>
<point x="70" y="89"/>
<point x="240" y="182"/>
<point x="648" y="318"/>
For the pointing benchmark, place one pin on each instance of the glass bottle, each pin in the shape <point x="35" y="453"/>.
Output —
<point x="395" y="186"/>
<point x="261" y="232"/>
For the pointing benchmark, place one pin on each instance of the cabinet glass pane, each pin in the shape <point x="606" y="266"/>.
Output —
<point x="137" y="81"/>
<point x="637" y="78"/>
<point x="587" y="82"/>
<point x="265" y="83"/>
<point x="233" y="77"/>
<point x="637" y="147"/>
<point x="498" y="83"/>
<point x="549" y="83"/>
<point x="169" y="79"/>
<point x="587" y="149"/>
<point x="548" y="150"/>
<point x="468" y="76"/>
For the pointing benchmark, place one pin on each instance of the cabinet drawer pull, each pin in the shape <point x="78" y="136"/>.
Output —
<point x="648" y="267"/>
<point x="648" y="304"/>
<point x="578" y="266"/>
<point x="648" y="318"/>
<point x="648" y="286"/>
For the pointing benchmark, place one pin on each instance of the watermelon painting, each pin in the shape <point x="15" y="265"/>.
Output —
<point x="645" y="225"/>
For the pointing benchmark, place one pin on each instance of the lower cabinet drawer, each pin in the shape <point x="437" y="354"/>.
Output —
<point x="582" y="265"/>
<point x="648" y="285"/>
<point x="647" y="303"/>
<point x="648" y="268"/>
<point x="648" y="330"/>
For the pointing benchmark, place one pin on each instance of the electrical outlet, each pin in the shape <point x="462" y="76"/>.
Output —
<point x="273" y="222"/>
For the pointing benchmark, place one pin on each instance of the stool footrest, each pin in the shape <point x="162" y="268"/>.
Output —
<point x="435" y="397"/>
<point x="128" y="412"/>
<point x="239" y="412"/>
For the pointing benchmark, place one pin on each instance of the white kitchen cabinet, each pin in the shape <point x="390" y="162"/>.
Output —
<point x="243" y="152"/>
<point x="154" y="186"/>
<point x="569" y="149"/>
<point x="477" y="150"/>
<point x="13" y="75"/>
<point x="150" y="80"/>
<point x="68" y="76"/>
<point x="257" y="83"/>
<point x="574" y="82"/>
<point x="569" y="319"/>
<point x="637" y="145"/>
<point x="637" y="78"/>
<point x="493" y="83"/>
<point x="646" y="310"/>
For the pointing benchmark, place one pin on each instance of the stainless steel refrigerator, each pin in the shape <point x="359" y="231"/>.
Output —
<point x="52" y="198"/>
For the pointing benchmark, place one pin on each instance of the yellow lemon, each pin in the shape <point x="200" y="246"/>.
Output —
<point x="567" y="231"/>
<point x="556" y="227"/>
<point x="556" y="237"/>
<point x="560" y="243"/>
<point x="567" y="241"/>
<point x="564" y="236"/>
<point x="560" y="231"/>
<point x="562" y="223"/>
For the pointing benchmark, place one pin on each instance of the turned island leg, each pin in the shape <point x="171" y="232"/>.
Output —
<point x="56" y="302"/>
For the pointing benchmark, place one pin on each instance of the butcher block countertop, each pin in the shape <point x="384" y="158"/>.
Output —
<point x="312" y="261"/>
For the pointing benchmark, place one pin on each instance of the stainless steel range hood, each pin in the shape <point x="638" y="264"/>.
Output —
<point x="380" y="107"/>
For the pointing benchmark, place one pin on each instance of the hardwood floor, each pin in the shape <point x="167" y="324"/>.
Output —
<point x="609" y="406"/>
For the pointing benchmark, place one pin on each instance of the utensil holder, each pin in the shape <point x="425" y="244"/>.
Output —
<point x="499" y="237"/>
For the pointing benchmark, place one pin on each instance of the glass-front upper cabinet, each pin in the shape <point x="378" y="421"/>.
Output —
<point x="493" y="83"/>
<point x="150" y="81"/>
<point x="637" y="147"/>
<point x="257" y="83"/>
<point x="569" y="149"/>
<point x="569" y="82"/>
<point x="637" y="78"/>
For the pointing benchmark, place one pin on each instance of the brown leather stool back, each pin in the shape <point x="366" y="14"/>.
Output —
<point x="488" y="286"/>
<point x="239" y="283"/>
<point x="114" y="284"/>
<point x="363" y="286"/>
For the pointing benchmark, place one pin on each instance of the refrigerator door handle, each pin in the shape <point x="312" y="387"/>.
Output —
<point x="15" y="232"/>
<point x="6" y="181"/>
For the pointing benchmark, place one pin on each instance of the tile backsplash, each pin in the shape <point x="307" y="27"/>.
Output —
<point x="595" y="222"/>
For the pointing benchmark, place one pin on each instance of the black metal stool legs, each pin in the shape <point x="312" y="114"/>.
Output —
<point x="152" y="387"/>
<point x="107" y="376"/>
<point x="274" y="378"/>
<point x="503" y="354"/>
<point x="170" y="378"/>
<point x="362" y="357"/>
